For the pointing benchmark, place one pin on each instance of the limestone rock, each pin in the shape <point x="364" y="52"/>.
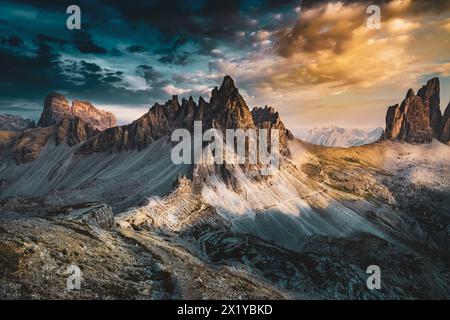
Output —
<point x="429" y="94"/>
<point x="57" y="107"/>
<point x="29" y="144"/>
<point x="95" y="214"/>
<point x="97" y="119"/>
<point x="74" y="129"/>
<point x="445" y="126"/>
<point x="410" y="121"/>
<point x="159" y="121"/>
<point x="267" y="118"/>
<point x="227" y="109"/>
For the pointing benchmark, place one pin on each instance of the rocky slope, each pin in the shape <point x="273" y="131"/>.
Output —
<point x="418" y="119"/>
<point x="340" y="137"/>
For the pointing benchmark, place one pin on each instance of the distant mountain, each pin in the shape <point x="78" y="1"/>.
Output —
<point x="14" y="123"/>
<point x="339" y="137"/>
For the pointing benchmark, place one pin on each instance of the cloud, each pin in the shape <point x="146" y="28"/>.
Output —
<point x="175" y="58"/>
<point x="150" y="75"/>
<point x="172" y="90"/>
<point x="136" y="49"/>
<point x="83" y="43"/>
<point x="90" y="67"/>
<point x="331" y="44"/>
<point x="13" y="41"/>
<point x="329" y="61"/>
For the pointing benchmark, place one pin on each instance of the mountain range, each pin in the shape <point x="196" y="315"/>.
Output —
<point x="78" y="189"/>
<point x="333" y="136"/>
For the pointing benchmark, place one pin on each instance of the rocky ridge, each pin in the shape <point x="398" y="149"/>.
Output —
<point x="226" y="109"/>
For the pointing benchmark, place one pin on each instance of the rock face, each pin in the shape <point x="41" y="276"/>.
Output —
<point x="159" y="121"/>
<point x="29" y="144"/>
<point x="267" y="118"/>
<point x="445" y="126"/>
<point x="95" y="214"/>
<point x="429" y="94"/>
<point x="14" y="123"/>
<point x="74" y="129"/>
<point x="410" y="121"/>
<point x="418" y="119"/>
<point x="98" y="119"/>
<point x="57" y="107"/>
<point x="226" y="110"/>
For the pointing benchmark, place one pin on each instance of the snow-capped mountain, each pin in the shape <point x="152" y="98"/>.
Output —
<point x="333" y="136"/>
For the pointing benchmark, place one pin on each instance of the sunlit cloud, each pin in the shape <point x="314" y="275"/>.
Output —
<point x="329" y="52"/>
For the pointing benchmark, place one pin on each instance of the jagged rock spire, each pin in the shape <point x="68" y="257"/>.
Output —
<point x="227" y="109"/>
<point x="445" y="126"/>
<point x="55" y="107"/>
<point x="429" y="94"/>
<point x="418" y="119"/>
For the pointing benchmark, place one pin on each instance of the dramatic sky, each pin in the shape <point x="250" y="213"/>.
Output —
<point x="314" y="61"/>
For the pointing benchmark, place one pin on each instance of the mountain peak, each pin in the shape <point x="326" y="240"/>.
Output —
<point x="412" y="120"/>
<point x="227" y="109"/>
<point x="228" y="86"/>
<point x="410" y="93"/>
<point x="429" y="94"/>
<point x="57" y="107"/>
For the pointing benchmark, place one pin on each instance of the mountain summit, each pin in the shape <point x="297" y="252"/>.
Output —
<point x="56" y="107"/>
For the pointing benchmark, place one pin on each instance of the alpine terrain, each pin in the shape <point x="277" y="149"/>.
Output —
<point x="79" y="190"/>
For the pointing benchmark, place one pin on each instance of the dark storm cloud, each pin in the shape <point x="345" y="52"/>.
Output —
<point x="28" y="71"/>
<point x="175" y="58"/>
<point x="204" y="23"/>
<point x="31" y="77"/>
<point x="137" y="48"/>
<point x="13" y="41"/>
<point x="39" y="56"/>
<point x="50" y="40"/>
<point x="90" y="67"/>
<point x="83" y="42"/>
<point x="171" y="52"/>
<point x="149" y="74"/>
